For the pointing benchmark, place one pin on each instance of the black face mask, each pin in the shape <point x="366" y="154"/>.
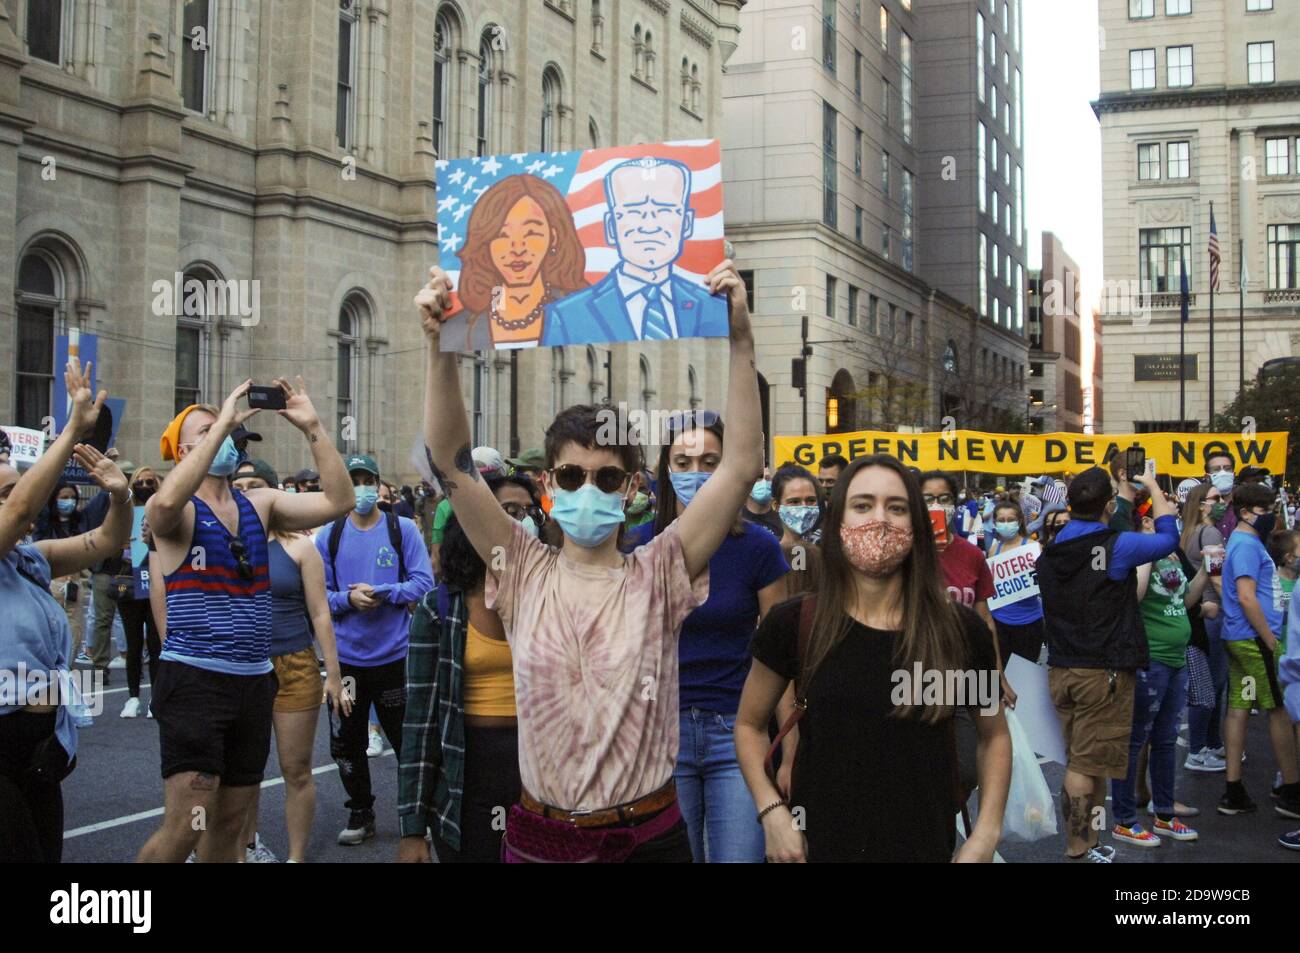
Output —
<point x="386" y="506"/>
<point x="142" y="493"/>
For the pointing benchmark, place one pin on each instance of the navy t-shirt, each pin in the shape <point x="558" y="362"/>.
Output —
<point x="713" y="650"/>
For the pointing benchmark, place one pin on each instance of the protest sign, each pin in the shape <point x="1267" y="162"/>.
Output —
<point x="1014" y="576"/>
<point x="558" y="248"/>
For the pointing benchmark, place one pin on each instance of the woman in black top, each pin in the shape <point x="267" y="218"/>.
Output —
<point x="874" y="773"/>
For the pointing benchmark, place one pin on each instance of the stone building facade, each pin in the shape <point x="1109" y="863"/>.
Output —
<point x="284" y="153"/>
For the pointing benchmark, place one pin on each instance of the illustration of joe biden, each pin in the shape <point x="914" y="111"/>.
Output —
<point x="642" y="298"/>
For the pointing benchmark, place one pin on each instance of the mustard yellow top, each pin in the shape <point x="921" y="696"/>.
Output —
<point x="489" y="678"/>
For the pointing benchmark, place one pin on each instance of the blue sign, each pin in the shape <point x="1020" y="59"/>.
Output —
<point x="139" y="555"/>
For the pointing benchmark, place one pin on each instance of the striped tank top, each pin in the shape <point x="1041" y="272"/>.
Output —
<point x="216" y="619"/>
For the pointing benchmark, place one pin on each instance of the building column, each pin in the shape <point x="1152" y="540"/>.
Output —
<point x="14" y="121"/>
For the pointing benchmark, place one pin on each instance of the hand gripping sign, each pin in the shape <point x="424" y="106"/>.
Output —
<point x="1014" y="576"/>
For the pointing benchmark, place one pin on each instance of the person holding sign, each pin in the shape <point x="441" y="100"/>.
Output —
<point x="593" y="633"/>
<point x="38" y="737"/>
<point x="1019" y="621"/>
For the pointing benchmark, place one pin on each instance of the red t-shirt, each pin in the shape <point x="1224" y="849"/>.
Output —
<point x="966" y="573"/>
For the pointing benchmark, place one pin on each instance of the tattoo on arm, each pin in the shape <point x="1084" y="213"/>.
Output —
<point x="447" y="485"/>
<point x="465" y="462"/>
<point x="313" y="437"/>
<point x="89" y="540"/>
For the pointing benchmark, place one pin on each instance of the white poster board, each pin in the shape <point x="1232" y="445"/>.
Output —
<point x="1014" y="576"/>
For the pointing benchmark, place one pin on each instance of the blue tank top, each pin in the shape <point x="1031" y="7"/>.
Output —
<point x="216" y="619"/>
<point x="290" y="629"/>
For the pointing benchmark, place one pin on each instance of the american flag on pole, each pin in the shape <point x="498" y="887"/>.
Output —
<point x="1215" y="257"/>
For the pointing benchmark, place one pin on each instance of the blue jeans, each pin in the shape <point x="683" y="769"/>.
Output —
<point x="1160" y="695"/>
<point x="1203" y="724"/>
<point x="715" y="801"/>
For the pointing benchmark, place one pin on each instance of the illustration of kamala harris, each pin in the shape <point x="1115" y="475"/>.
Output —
<point x="641" y="299"/>
<point x="521" y="253"/>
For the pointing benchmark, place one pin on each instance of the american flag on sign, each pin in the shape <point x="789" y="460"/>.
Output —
<point x="1054" y="492"/>
<point x="1214" y="253"/>
<point x="579" y="178"/>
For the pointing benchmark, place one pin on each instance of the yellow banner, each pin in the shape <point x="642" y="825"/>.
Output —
<point x="1176" y="454"/>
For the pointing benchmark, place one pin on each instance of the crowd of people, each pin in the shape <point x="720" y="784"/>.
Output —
<point x="581" y="654"/>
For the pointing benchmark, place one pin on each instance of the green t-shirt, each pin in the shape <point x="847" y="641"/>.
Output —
<point x="440" y="518"/>
<point x="1165" y="615"/>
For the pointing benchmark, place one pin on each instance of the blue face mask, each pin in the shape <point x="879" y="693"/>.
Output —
<point x="1222" y="480"/>
<point x="226" y="461"/>
<point x="367" y="497"/>
<point x="67" y="507"/>
<point x="1006" y="530"/>
<point x="800" y="519"/>
<point x="762" y="492"/>
<point x="587" y="516"/>
<point x="685" y="485"/>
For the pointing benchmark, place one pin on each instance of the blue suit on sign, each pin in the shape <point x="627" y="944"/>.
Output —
<point x="599" y="314"/>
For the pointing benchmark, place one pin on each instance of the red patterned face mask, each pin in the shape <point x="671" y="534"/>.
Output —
<point x="876" y="548"/>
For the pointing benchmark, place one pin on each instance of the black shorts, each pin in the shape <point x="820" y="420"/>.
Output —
<point x="212" y="722"/>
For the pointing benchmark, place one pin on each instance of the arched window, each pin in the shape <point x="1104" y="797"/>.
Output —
<point x="686" y="82"/>
<point x="649" y="57"/>
<point x="550" y="140"/>
<point x="348" y="355"/>
<point x="559" y="380"/>
<point x="484" y="92"/>
<point x="695" y="88"/>
<point x="40" y="301"/>
<point x="593" y="374"/>
<point x="593" y="132"/>
<point x="196" y="43"/>
<point x="443" y="40"/>
<point x="345" y="101"/>
<point x="194" y="336"/>
<point x="647" y="391"/>
<point x="694" y="382"/>
<point x="638" y="52"/>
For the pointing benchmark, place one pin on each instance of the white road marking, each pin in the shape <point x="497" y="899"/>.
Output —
<point x="157" y="812"/>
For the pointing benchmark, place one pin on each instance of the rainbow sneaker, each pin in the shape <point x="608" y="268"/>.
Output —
<point x="1174" y="829"/>
<point x="1136" y="835"/>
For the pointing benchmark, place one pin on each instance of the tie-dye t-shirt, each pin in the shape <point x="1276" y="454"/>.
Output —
<point x="595" y="665"/>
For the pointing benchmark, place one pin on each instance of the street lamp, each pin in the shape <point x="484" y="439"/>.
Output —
<point x="799" y="369"/>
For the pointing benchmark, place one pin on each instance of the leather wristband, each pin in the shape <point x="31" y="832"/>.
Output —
<point x="769" y="809"/>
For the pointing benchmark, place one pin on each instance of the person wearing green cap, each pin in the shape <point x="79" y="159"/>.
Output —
<point x="530" y="463"/>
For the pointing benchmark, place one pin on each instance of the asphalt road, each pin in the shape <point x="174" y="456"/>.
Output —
<point x="113" y="803"/>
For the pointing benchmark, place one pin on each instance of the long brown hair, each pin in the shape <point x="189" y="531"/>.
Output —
<point x="1193" y="520"/>
<point x="932" y="630"/>
<point x="565" y="260"/>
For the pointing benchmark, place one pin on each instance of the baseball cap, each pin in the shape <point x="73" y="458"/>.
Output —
<point x="1252" y="473"/>
<point x="531" y="459"/>
<point x="262" y="470"/>
<point x="488" y="460"/>
<point x="243" y="433"/>
<point x="304" y="476"/>
<point x="363" y="462"/>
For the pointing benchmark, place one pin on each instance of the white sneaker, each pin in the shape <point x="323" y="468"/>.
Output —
<point x="131" y="709"/>
<point x="117" y="662"/>
<point x="376" y="743"/>
<point x="259" y="853"/>
<point x="83" y="658"/>
<point x="1205" y="761"/>
<point x="193" y="858"/>
<point x="1219" y="752"/>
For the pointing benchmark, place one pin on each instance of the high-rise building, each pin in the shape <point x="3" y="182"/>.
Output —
<point x="288" y="150"/>
<point x="1056" y="382"/>
<point x="828" y="185"/>
<point x="1199" y="106"/>
<point x="971" y="135"/>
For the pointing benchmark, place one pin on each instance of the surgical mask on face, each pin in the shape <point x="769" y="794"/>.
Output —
<point x="800" y="519"/>
<point x="529" y="526"/>
<point x="587" y="516"/>
<point x="1222" y="480"/>
<point x="226" y="461"/>
<point x="291" y="489"/>
<point x="687" y="484"/>
<point x="367" y="497"/>
<point x="67" y="507"/>
<point x="1006" y="530"/>
<point x="761" y="492"/>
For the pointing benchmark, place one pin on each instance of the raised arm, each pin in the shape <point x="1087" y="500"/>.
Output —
<point x="704" y="525"/>
<point x="166" y="508"/>
<point x="71" y="555"/>
<point x="446" y="431"/>
<point x="294" y="511"/>
<point x="33" y="489"/>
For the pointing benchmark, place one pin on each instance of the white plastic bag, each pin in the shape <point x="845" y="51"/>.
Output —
<point x="1031" y="813"/>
